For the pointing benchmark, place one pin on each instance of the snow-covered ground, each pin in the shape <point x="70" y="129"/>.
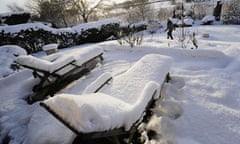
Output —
<point x="209" y="97"/>
<point x="8" y="54"/>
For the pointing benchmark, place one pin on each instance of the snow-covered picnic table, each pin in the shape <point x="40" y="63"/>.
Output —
<point x="117" y="105"/>
<point x="58" y="70"/>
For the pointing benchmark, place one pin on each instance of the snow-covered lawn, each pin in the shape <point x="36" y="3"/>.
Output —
<point x="210" y="95"/>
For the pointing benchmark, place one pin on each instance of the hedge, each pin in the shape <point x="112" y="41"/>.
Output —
<point x="14" y="18"/>
<point x="33" y="36"/>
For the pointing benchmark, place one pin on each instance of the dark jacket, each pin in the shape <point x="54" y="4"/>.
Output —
<point x="170" y="26"/>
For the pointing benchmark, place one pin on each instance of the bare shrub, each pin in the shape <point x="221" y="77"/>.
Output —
<point x="153" y="26"/>
<point x="138" y="10"/>
<point x="165" y="13"/>
<point x="132" y="39"/>
<point x="201" y="9"/>
<point x="186" y="38"/>
<point x="231" y="11"/>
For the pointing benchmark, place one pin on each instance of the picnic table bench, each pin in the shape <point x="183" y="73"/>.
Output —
<point x="117" y="109"/>
<point x="58" y="70"/>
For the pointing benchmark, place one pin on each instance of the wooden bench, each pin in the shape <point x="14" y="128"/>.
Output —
<point x="118" y="108"/>
<point x="59" y="70"/>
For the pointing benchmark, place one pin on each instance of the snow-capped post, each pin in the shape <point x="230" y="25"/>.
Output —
<point x="50" y="48"/>
<point x="182" y="19"/>
<point x="194" y="40"/>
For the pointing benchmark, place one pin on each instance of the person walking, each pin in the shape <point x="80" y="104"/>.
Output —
<point x="194" y="40"/>
<point x="169" y="29"/>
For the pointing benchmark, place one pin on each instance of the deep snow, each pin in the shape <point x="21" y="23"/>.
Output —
<point x="207" y="80"/>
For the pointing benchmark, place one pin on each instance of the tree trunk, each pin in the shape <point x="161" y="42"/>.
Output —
<point x="85" y="19"/>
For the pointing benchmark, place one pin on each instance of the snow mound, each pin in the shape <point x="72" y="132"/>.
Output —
<point x="168" y="108"/>
<point x="50" y="132"/>
<point x="188" y="53"/>
<point x="12" y="50"/>
<point x="174" y="91"/>
<point x="8" y="54"/>
<point x="208" y="19"/>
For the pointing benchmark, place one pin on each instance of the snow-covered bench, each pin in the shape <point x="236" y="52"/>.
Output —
<point x="60" y="68"/>
<point x="117" y="108"/>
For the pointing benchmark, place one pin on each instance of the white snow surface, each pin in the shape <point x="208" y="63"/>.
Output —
<point x="152" y="67"/>
<point x="8" y="54"/>
<point x="205" y="82"/>
<point x="100" y="81"/>
<point x="12" y="13"/>
<point x="36" y="26"/>
<point x="186" y="21"/>
<point x="50" y="46"/>
<point x="96" y="24"/>
<point x="60" y="60"/>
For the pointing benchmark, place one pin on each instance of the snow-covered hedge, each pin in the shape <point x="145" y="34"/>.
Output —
<point x="14" y="18"/>
<point x="32" y="36"/>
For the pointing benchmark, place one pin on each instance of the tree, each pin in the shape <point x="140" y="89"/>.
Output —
<point x="165" y="13"/>
<point x="65" y="12"/>
<point x="231" y="11"/>
<point x="142" y="9"/>
<point x="57" y="12"/>
<point x="53" y="11"/>
<point x="42" y="9"/>
<point x="86" y="8"/>
<point x="138" y="10"/>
